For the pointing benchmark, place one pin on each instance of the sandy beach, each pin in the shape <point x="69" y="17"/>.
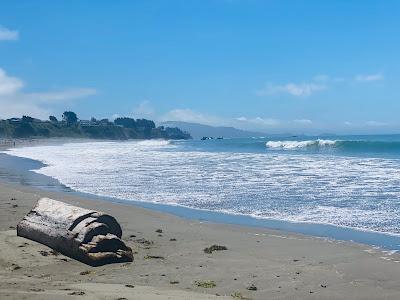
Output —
<point x="199" y="150"/>
<point x="259" y="263"/>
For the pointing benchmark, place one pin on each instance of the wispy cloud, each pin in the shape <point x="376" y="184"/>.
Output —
<point x="376" y="123"/>
<point x="8" y="34"/>
<point x="316" y="84"/>
<point x="144" y="110"/>
<point x="259" y="121"/>
<point x="14" y="101"/>
<point x="243" y="122"/>
<point x="294" y="89"/>
<point x="303" y="122"/>
<point x="60" y="96"/>
<point x="188" y="115"/>
<point x="370" y="77"/>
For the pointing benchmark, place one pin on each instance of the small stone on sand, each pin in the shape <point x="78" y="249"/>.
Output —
<point x="44" y="253"/>
<point x="80" y="293"/>
<point x="213" y="248"/>
<point x="252" y="288"/>
<point x="85" y="272"/>
<point x="14" y="267"/>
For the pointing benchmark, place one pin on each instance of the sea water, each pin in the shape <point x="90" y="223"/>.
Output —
<point x="345" y="181"/>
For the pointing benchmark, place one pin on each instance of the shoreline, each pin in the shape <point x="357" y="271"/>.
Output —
<point x="383" y="240"/>
<point x="281" y="265"/>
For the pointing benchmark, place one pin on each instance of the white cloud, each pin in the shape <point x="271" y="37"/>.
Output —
<point x="347" y="123"/>
<point x="8" y="34"/>
<point x="9" y="85"/>
<point x="188" y="115"/>
<point x="257" y="121"/>
<point x="294" y="89"/>
<point x="15" y="102"/>
<point x="264" y="121"/>
<point x="370" y="77"/>
<point x="242" y="119"/>
<point x="318" y="83"/>
<point x="251" y="123"/>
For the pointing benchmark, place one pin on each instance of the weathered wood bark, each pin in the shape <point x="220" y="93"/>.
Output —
<point x="88" y="236"/>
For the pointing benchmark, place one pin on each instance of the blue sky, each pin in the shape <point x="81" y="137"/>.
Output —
<point x="274" y="66"/>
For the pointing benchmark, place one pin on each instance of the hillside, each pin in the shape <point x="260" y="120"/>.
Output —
<point x="197" y="131"/>
<point x="70" y="126"/>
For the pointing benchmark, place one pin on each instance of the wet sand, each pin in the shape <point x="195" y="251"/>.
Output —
<point x="259" y="263"/>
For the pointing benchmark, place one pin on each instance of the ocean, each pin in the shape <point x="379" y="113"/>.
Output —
<point x="342" y="182"/>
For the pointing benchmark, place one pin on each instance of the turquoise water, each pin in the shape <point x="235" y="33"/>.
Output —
<point x="347" y="187"/>
<point x="362" y="145"/>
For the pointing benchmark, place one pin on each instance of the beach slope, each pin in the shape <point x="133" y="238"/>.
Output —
<point x="170" y="262"/>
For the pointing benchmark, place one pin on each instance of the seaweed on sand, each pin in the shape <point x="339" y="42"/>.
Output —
<point x="213" y="248"/>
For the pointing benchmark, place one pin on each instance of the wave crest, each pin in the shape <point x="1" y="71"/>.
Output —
<point x="299" y="144"/>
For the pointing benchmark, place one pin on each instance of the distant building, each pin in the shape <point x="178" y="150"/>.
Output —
<point x="85" y="123"/>
<point x="15" y="120"/>
<point x="92" y="122"/>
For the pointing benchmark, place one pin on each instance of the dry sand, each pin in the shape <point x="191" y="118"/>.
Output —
<point x="279" y="265"/>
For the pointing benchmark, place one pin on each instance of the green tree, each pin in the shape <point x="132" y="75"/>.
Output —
<point x="27" y="119"/>
<point x="70" y="117"/>
<point x="24" y="129"/>
<point x="125" y="122"/>
<point x="143" y="123"/>
<point x="53" y="119"/>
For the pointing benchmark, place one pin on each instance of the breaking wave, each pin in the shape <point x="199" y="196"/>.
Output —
<point x="299" y="144"/>
<point x="341" y="146"/>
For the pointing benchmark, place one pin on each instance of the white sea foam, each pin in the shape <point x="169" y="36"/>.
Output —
<point x="299" y="144"/>
<point x="354" y="192"/>
<point x="153" y="143"/>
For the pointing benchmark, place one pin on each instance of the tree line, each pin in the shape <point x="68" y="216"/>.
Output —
<point x="70" y="126"/>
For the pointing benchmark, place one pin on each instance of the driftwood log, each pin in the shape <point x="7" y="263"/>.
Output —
<point x="91" y="237"/>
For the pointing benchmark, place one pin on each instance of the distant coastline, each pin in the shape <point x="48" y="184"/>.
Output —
<point x="72" y="127"/>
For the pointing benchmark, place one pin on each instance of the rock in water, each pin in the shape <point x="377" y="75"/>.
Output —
<point x="89" y="236"/>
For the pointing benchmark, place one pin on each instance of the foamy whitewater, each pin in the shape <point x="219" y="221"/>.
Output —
<point x="299" y="144"/>
<point x="325" y="181"/>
